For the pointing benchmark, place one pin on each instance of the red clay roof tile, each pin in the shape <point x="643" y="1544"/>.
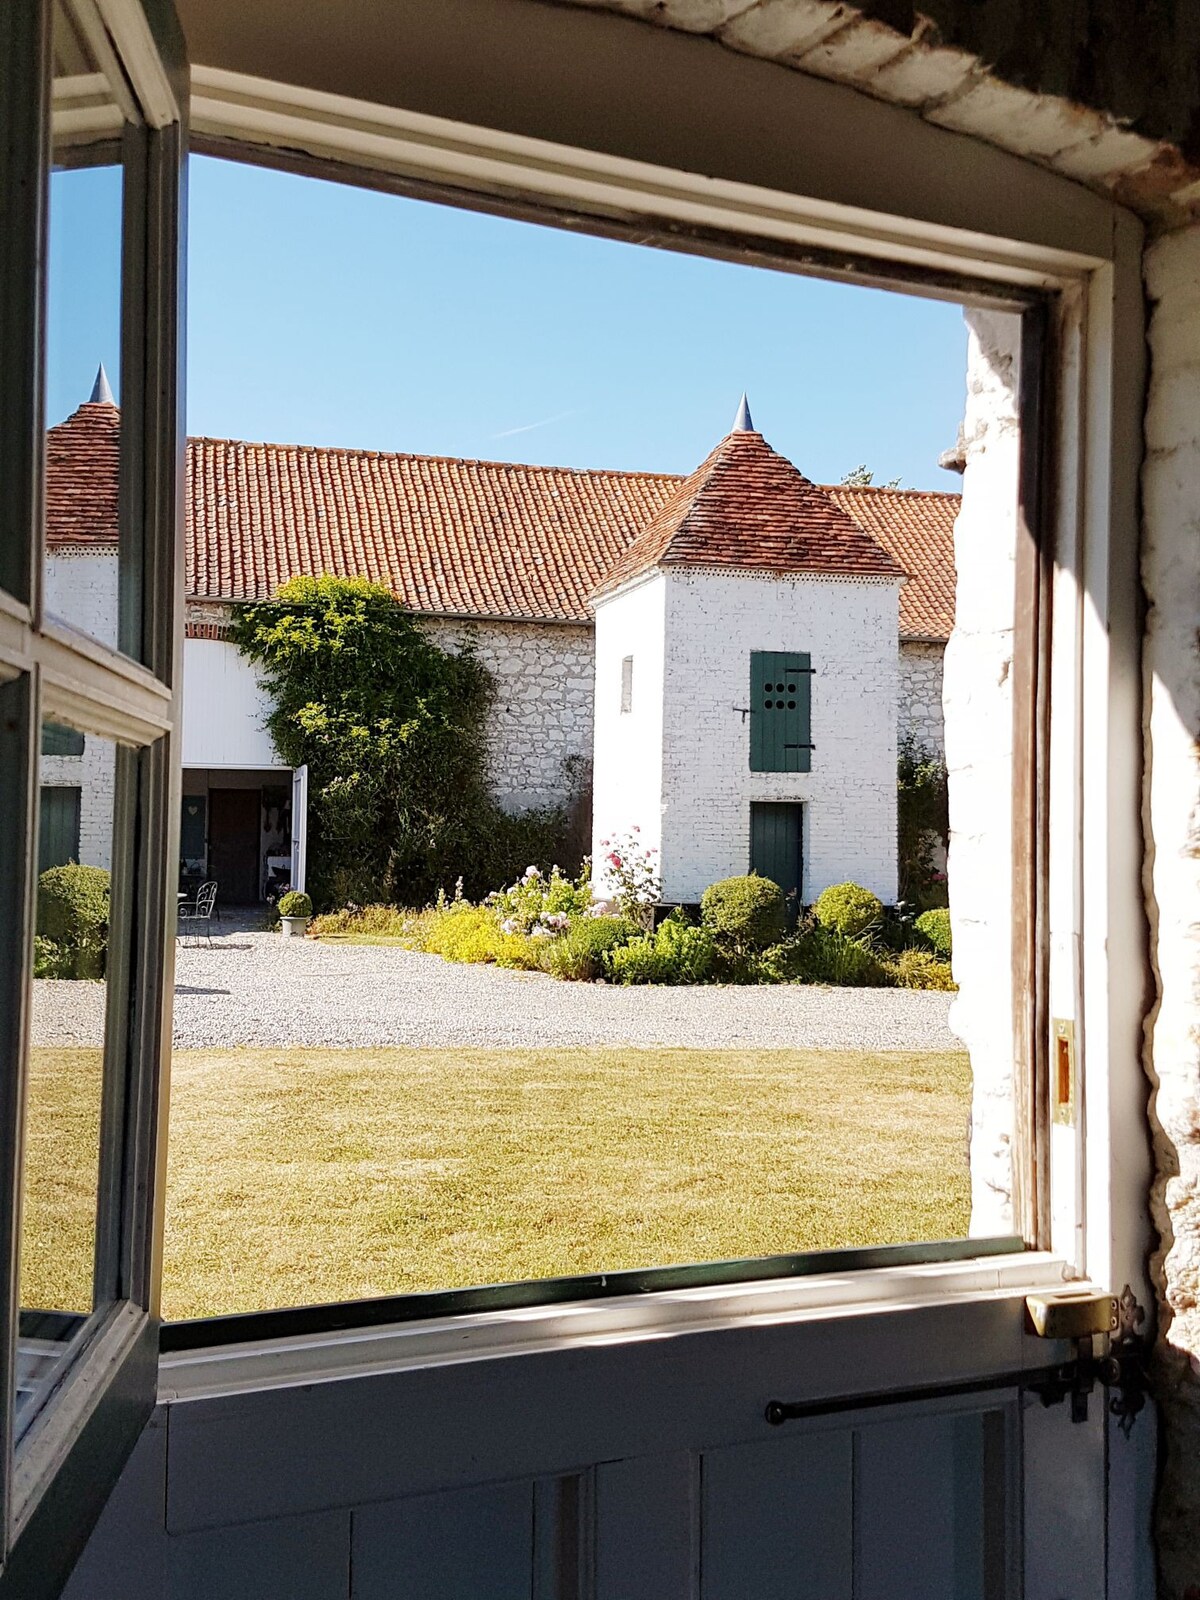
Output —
<point x="747" y="506"/>
<point x="497" y="540"/>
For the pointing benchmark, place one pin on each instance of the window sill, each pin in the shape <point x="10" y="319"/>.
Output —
<point x="836" y="1298"/>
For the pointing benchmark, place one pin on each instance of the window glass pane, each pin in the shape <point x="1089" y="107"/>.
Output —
<point x="83" y="344"/>
<point x="65" y="1085"/>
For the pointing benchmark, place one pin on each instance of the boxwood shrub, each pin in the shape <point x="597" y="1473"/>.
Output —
<point x="743" y="914"/>
<point x="848" y="909"/>
<point x="934" y="928"/>
<point x="72" y="917"/>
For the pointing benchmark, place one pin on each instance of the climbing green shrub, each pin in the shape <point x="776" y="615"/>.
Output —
<point x="392" y="730"/>
<point x="72" y="916"/>
<point x="743" y="914"/>
<point x="848" y="909"/>
<point x="923" y="822"/>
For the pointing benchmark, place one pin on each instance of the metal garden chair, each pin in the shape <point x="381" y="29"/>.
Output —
<point x="195" y="916"/>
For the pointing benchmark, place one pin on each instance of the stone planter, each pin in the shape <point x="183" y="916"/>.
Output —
<point x="293" y="927"/>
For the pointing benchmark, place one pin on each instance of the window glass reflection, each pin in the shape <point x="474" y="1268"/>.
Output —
<point x="64" y="1092"/>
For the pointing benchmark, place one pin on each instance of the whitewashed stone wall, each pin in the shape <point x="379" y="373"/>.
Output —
<point x="81" y="588"/>
<point x="920" y="691"/>
<point x="1171" y="574"/>
<point x="977" y="699"/>
<point x="713" y="623"/>
<point x="542" y="717"/>
<point x="627" y="768"/>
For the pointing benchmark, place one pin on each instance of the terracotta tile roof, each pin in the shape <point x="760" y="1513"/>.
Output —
<point x="747" y="506"/>
<point x="916" y="526"/>
<point x="474" y="538"/>
<point x="492" y="539"/>
<point x="82" y="472"/>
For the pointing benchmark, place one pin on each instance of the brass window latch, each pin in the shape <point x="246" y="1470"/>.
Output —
<point x="1109" y="1350"/>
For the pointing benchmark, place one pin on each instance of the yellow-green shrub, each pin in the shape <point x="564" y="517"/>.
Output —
<point x="471" y="934"/>
<point x="919" y="969"/>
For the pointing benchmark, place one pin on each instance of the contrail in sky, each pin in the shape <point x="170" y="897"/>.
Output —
<point x="528" y="427"/>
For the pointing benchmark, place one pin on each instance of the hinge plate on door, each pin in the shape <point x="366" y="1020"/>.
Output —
<point x="1109" y="1350"/>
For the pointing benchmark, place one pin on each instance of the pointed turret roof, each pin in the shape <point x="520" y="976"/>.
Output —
<point x="748" y="507"/>
<point x="101" y="394"/>
<point x="82" y="471"/>
<point x="743" y="422"/>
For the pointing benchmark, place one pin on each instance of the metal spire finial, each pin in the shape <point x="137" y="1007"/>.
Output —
<point x="101" y="393"/>
<point x="742" y="423"/>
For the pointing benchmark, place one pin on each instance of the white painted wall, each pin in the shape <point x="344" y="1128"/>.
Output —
<point x="627" y="766"/>
<point x="224" y="708"/>
<point x="978" y="710"/>
<point x="713" y="623"/>
<point x="81" y="589"/>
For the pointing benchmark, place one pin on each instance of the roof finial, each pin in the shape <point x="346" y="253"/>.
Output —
<point x="101" y="393"/>
<point x="742" y="423"/>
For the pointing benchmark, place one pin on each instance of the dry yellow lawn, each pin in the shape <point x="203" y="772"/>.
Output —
<point x="308" y="1175"/>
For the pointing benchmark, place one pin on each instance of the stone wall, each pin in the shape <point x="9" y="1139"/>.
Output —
<point x="1171" y="575"/>
<point x="542" y="718"/>
<point x="978" y="719"/>
<point x="920" y="695"/>
<point x="849" y="627"/>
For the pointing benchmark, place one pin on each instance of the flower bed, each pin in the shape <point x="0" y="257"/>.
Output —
<point x="554" y="923"/>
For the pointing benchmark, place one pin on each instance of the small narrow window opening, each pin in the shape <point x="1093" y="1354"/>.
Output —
<point x="627" y="683"/>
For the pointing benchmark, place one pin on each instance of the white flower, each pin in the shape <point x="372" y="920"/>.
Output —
<point x="510" y="925"/>
<point x="531" y="872"/>
<point x="539" y="932"/>
<point x="555" y="919"/>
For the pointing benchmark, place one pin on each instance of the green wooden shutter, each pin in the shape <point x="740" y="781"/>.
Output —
<point x="58" y="828"/>
<point x="60" y="741"/>
<point x="780" y="711"/>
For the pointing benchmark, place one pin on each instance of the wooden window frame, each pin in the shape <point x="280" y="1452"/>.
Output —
<point x="53" y="1486"/>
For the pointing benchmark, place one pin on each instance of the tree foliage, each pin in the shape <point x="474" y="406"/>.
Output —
<point x="392" y="730"/>
<point x="862" y="477"/>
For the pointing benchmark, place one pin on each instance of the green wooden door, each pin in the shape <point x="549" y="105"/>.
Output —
<point x="780" y="711"/>
<point x="777" y="847"/>
<point x="58" y="830"/>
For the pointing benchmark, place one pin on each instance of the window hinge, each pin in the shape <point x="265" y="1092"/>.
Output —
<point x="1110" y="1350"/>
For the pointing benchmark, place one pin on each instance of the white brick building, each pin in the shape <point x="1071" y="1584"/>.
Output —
<point x="506" y="558"/>
<point x="746" y="683"/>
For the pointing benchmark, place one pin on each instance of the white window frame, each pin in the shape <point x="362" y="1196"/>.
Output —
<point x="1047" y="238"/>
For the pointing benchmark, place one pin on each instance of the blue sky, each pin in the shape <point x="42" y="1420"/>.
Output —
<point x="322" y="314"/>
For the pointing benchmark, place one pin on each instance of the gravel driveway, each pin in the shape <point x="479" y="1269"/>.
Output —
<point x="261" y="989"/>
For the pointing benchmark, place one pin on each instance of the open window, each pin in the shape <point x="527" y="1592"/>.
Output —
<point x="94" y="106"/>
<point x="553" y="1471"/>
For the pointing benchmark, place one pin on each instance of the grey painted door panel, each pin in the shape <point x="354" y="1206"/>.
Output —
<point x="646" y="1524"/>
<point x="473" y="1544"/>
<point x="777" y="1519"/>
<point x="542" y="1413"/>
<point x="292" y="1558"/>
<point x="878" y="1506"/>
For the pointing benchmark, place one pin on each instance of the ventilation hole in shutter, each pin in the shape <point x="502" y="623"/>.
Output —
<point x="791" y="705"/>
